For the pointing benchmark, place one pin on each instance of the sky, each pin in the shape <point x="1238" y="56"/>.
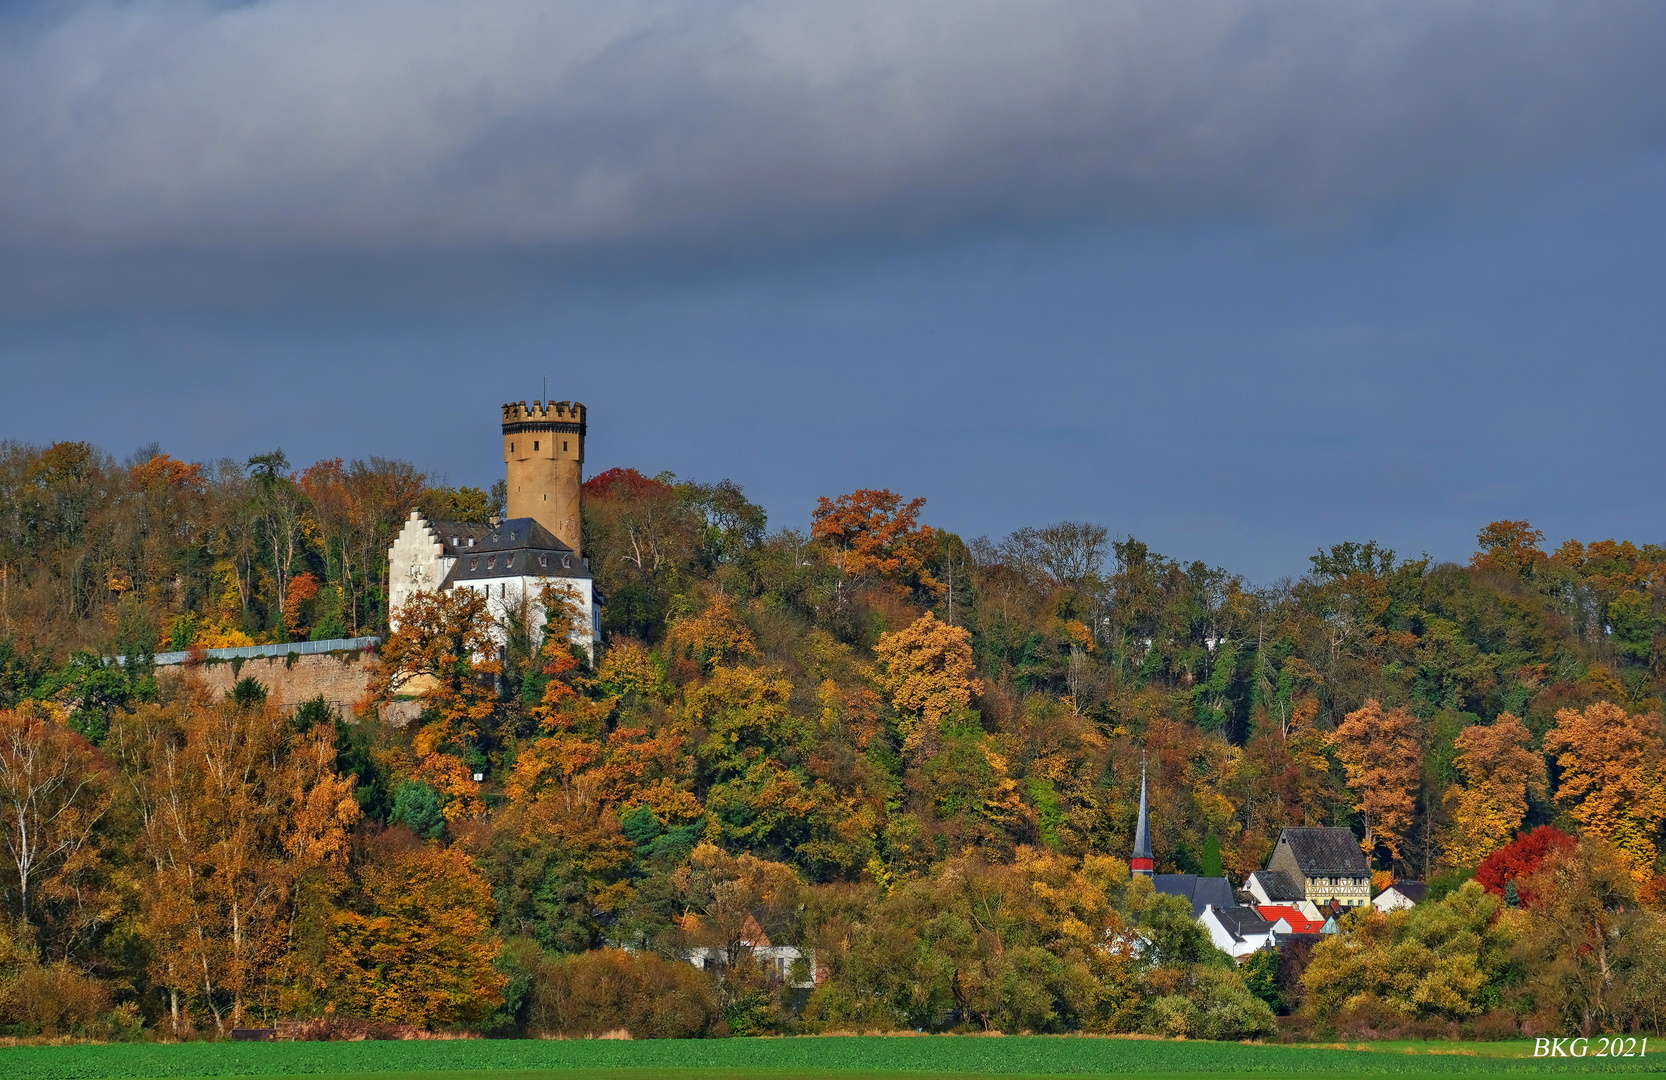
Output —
<point x="1237" y="279"/>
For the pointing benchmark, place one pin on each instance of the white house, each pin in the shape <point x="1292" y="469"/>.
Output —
<point x="1399" y="896"/>
<point x="509" y="563"/>
<point x="1237" y="931"/>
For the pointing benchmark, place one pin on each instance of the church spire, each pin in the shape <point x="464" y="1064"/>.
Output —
<point x="1142" y="862"/>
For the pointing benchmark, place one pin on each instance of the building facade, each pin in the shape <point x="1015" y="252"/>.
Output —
<point x="511" y="562"/>
<point x="1326" y="864"/>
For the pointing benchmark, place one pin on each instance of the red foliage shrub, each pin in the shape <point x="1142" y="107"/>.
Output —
<point x="1519" y="858"/>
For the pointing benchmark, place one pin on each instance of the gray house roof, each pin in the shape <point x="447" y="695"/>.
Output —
<point x="1414" y="891"/>
<point x="1241" y="922"/>
<point x="459" y="537"/>
<point x="1279" y="886"/>
<point x="1325" y="851"/>
<point x="519" y="547"/>
<point x="1201" y="891"/>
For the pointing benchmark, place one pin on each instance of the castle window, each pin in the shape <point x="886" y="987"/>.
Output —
<point x="511" y="448"/>
<point x="563" y="445"/>
<point x="535" y="444"/>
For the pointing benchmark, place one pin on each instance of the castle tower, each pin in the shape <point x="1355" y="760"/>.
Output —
<point x="1142" y="862"/>
<point x="543" y="446"/>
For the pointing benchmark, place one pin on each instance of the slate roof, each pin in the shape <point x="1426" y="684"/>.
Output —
<point x="1142" y="831"/>
<point x="1278" y="885"/>
<point x="1201" y="891"/>
<point x="1325" y="851"/>
<point x="1414" y="891"/>
<point x="455" y="536"/>
<point x="520" y="547"/>
<point x="1241" y="922"/>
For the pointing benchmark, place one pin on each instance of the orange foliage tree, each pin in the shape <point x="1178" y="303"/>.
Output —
<point x="875" y="533"/>
<point x="1500" y="769"/>
<point x="1383" y="757"/>
<point x="1510" y="547"/>
<point x="1612" y="777"/>
<point x="444" y="646"/>
<point x="233" y="811"/>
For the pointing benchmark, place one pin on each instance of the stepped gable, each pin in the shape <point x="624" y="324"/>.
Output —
<point x="1326" y="851"/>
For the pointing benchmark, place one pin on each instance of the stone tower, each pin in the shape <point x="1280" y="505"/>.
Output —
<point x="543" y="445"/>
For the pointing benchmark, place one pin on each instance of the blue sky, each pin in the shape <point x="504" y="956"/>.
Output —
<point x="1238" y="279"/>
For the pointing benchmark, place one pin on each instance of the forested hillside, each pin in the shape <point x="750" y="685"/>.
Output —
<point x="916" y="754"/>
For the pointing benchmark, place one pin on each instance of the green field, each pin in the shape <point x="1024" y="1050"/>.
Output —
<point x="837" y="1058"/>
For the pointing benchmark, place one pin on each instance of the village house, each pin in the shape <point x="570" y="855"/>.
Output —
<point x="1399" y="896"/>
<point x="1326" y="864"/>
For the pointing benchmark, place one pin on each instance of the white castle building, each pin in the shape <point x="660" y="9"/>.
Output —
<point x="512" y="561"/>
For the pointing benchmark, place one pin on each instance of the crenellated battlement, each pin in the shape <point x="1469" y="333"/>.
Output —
<point x="564" y="412"/>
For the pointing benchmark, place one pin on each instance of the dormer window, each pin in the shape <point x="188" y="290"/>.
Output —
<point x="471" y="541"/>
<point x="567" y="561"/>
<point x="512" y="537"/>
<point x="474" y="562"/>
<point x="508" y="561"/>
<point x="491" y="561"/>
<point x="543" y="560"/>
<point x="454" y="541"/>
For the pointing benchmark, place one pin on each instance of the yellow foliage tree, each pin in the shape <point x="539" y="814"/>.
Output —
<point x="1383" y="757"/>
<point x="1500" y="770"/>
<point x="1612" y="774"/>
<point x="926" y="669"/>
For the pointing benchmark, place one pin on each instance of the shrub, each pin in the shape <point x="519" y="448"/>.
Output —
<point x="606" y="989"/>
<point x="51" y="999"/>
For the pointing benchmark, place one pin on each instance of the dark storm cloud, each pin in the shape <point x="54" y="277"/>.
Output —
<point x="191" y="145"/>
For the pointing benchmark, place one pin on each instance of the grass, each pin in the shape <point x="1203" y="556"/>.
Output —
<point x="833" y="1058"/>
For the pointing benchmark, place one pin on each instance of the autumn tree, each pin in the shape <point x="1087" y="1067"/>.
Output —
<point x="1611" y="778"/>
<point x="1382" y="754"/>
<point x="1520" y="859"/>
<point x="1439" y="960"/>
<point x="232" y="810"/>
<point x="444" y="645"/>
<point x="53" y="794"/>
<point x="1500" y="770"/>
<point x="1592" y="953"/>
<point x="416" y="945"/>
<point x="1509" y="547"/>
<point x="874" y="533"/>
<point x="927" y="671"/>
